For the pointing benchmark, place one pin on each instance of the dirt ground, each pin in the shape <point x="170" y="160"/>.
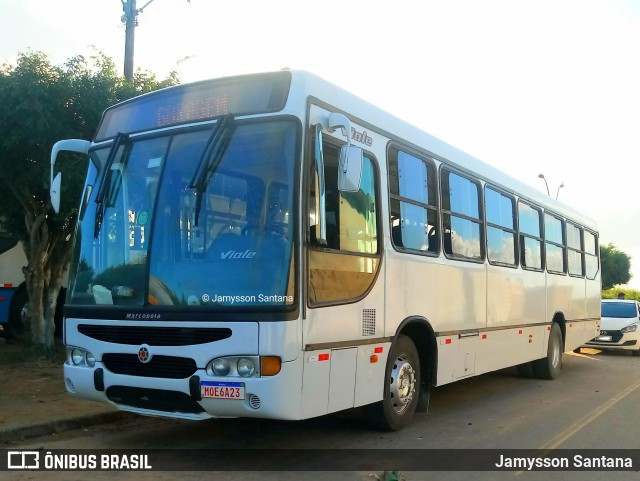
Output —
<point x="32" y="391"/>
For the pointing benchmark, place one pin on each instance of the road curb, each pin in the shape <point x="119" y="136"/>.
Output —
<point x="58" y="426"/>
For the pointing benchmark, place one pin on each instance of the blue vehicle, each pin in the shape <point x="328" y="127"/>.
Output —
<point x="14" y="306"/>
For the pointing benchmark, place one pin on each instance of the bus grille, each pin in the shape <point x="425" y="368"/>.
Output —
<point x="154" y="336"/>
<point x="154" y="399"/>
<point x="160" y="366"/>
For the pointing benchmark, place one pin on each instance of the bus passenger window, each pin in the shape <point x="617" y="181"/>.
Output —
<point x="461" y="221"/>
<point x="575" y="252"/>
<point x="555" y="244"/>
<point x="529" y="219"/>
<point x="591" y="255"/>
<point x="412" y="185"/>
<point x="501" y="233"/>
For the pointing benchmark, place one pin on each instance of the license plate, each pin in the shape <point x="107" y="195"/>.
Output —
<point x="222" y="390"/>
<point x="604" y="338"/>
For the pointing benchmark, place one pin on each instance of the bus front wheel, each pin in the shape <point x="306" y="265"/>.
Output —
<point x="401" y="387"/>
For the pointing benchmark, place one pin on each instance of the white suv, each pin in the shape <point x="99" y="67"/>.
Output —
<point x="619" y="326"/>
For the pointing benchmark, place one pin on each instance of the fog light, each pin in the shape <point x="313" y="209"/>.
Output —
<point x="220" y="367"/>
<point x="246" y="368"/>
<point x="77" y="357"/>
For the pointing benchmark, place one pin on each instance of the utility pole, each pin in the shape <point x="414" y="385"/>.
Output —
<point x="130" y="19"/>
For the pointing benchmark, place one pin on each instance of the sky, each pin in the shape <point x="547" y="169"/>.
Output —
<point x="528" y="86"/>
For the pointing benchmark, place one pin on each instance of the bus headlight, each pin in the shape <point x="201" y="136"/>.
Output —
<point x="234" y="366"/>
<point x="218" y="367"/>
<point x="77" y="356"/>
<point x="246" y="367"/>
<point x="90" y="359"/>
<point x="630" y="328"/>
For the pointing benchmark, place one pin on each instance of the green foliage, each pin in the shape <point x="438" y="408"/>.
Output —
<point x="616" y="266"/>
<point x="628" y="293"/>
<point x="41" y="104"/>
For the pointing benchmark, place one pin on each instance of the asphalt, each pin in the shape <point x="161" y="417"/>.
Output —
<point x="34" y="401"/>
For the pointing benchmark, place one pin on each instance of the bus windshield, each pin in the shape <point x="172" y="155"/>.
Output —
<point x="147" y="247"/>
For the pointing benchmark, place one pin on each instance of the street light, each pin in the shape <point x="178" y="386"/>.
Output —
<point x="558" y="191"/>
<point x="545" y="183"/>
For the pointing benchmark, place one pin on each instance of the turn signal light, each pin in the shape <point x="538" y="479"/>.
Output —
<point x="270" y="365"/>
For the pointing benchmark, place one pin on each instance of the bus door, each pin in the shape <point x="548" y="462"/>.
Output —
<point x="345" y="306"/>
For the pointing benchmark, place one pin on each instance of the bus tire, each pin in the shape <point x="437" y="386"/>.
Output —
<point x="18" y="324"/>
<point x="549" y="367"/>
<point x="401" y="387"/>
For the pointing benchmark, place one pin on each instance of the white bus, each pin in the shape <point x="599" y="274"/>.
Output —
<point x="273" y="246"/>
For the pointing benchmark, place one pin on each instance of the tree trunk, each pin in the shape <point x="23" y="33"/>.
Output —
<point x="48" y="251"/>
<point x="35" y="275"/>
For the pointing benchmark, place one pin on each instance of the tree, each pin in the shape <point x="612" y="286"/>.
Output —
<point x="43" y="103"/>
<point x="616" y="266"/>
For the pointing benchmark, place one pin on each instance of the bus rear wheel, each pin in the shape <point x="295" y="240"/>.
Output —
<point x="549" y="367"/>
<point x="401" y="387"/>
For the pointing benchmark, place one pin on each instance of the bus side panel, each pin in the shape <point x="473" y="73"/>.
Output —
<point x="450" y="296"/>
<point x="370" y="373"/>
<point x="566" y="294"/>
<point x="515" y="296"/>
<point x="342" y="382"/>
<point x="509" y="347"/>
<point x="316" y="374"/>
<point x="593" y="306"/>
<point x="447" y="355"/>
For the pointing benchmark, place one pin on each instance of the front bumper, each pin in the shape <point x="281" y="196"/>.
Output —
<point x="272" y="397"/>
<point x="620" y="341"/>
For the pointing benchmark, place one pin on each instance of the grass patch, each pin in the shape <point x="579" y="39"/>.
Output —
<point x="628" y="293"/>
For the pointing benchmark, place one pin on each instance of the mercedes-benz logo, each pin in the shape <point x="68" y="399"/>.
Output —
<point x="144" y="354"/>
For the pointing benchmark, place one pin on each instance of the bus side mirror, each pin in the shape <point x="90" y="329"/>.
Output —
<point x="350" y="168"/>
<point x="72" y="145"/>
<point x="55" y="192"/>
<point x="350" y="163"/>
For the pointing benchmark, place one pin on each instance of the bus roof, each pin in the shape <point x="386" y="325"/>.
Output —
<point x="381" y="121"/>
<point x="305" y="84"/>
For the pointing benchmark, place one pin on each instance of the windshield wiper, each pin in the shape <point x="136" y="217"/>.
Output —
<point x="105" y="181"/>
<point x="211" y="157"/>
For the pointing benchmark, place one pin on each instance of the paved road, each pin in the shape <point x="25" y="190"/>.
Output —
<point x="595" y="404"/>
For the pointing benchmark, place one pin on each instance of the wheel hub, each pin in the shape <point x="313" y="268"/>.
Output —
<point x="403" y="384"/>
